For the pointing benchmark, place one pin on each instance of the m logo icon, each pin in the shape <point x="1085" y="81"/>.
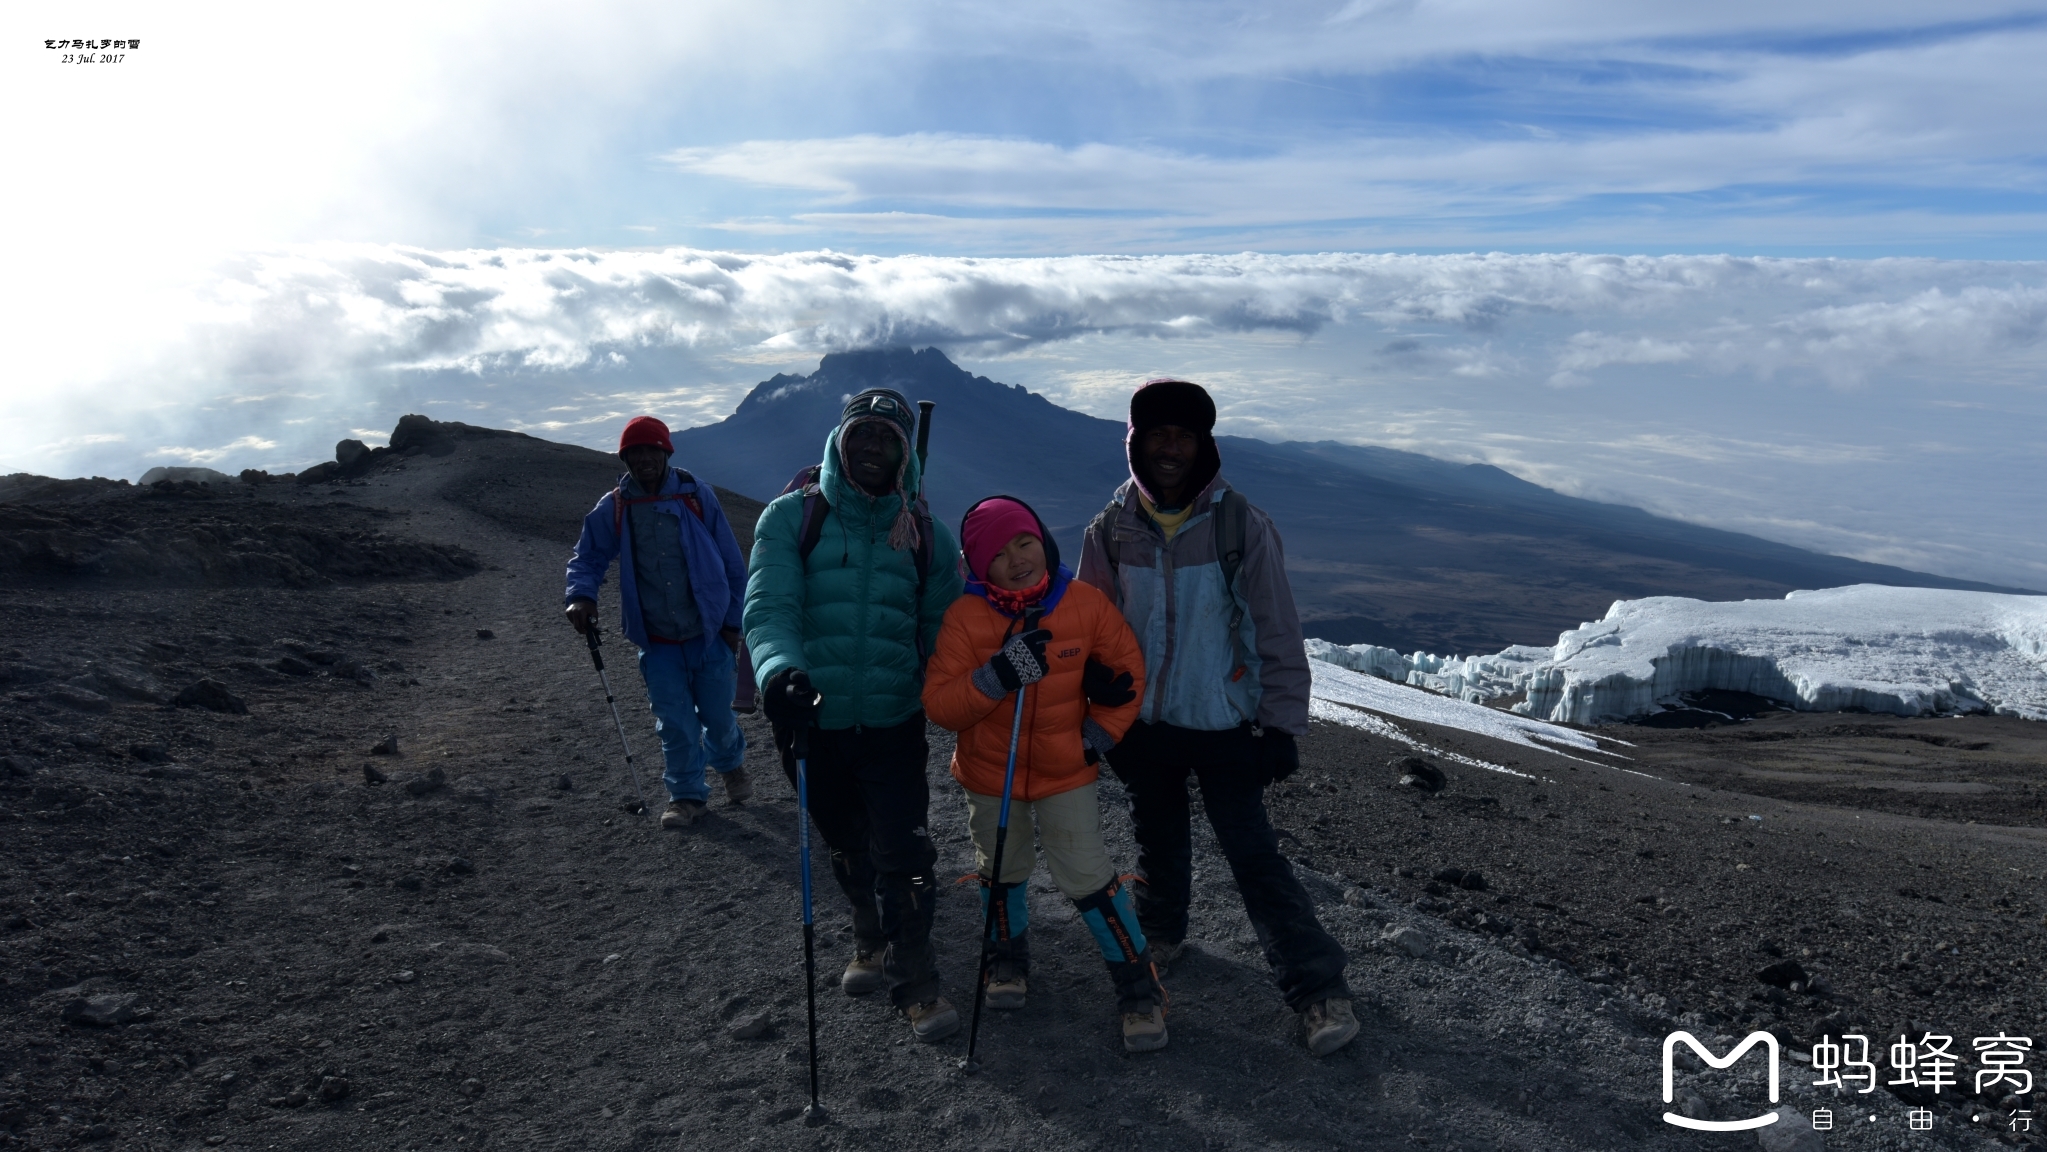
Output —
<point x="1670" y="1089"/>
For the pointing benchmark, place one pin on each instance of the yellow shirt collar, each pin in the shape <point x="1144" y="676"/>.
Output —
<point x="1168" y="522"/>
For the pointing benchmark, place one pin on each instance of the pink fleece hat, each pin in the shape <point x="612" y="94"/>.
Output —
<point x="990" y="527"/>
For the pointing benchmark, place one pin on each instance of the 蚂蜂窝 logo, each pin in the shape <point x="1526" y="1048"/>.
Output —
<point x="1670" y="1043"/>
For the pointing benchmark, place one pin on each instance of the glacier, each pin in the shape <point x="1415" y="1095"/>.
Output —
<point x="1902" y="651"/>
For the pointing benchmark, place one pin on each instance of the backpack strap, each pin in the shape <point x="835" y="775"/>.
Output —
<point x="688" y="500"/>
<point x="1104" y="528"/>
<point x="1232" y="526"/>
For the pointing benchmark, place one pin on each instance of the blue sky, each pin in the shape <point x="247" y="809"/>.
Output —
<point x="268" y="228"/>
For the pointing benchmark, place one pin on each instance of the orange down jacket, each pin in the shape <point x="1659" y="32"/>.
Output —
<point x="1049" y="757"/>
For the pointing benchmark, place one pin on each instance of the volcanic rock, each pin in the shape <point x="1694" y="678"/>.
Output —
<point x="211" y="695"/>
<point x="1793" y="1132"/>
<point x="431" y="781"/>
<point x="1783" y="974"/>
<point x="78" y="698"/>
<point x="1416" y="772"/>
<point x="102" y="1011"/>
<point x="1410" y="941"/>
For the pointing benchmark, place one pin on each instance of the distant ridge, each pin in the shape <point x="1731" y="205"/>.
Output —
<point x="1384" y="547"/>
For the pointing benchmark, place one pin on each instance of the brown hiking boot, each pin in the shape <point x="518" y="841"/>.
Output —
<point x="681" y="813"/>
<point x="738" y="786"/>
<point x="933" y="1019"/>
<point x="1328" y="1025"/>
<point x="863" y="973"/>
<point x="1144" y="1031"/>
<point x="1007" y="986"/>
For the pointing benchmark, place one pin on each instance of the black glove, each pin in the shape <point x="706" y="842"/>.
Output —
<point x="788" y="699"/>
<point x="1278" y="757"/>
<point x="1095" y="741"/>
<point x="1104" y="686"/>
<point x="1021" y="661"/>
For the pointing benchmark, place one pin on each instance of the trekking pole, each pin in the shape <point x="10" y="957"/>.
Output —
<point x="815" y="1114"/>
<point x="632" y="773"/>
<point x="969" y="1064"/>
<point x="924" y="408"/>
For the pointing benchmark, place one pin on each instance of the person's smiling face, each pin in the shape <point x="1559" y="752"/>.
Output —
<point x="648" y="464"/>
<point x="874" y="453"/>
<point x="1169" y="452"/>
<point x="1020" y="564"/>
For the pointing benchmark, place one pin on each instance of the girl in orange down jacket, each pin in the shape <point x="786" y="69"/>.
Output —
<point x="1024" y="622"/>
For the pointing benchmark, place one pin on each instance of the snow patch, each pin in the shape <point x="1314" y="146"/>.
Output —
<point x="1902" y="651"/>
<point x="1339" y="692"/>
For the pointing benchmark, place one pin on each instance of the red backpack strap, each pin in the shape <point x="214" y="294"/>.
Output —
<point x="690" y="500"/>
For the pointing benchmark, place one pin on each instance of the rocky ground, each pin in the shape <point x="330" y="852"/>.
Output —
<point x="219" y="931"/>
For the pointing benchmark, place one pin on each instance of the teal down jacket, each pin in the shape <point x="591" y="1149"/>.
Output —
<point x="850" y="616"/>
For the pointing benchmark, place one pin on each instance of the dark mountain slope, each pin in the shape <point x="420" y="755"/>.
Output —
<point x="1384" y="546"/>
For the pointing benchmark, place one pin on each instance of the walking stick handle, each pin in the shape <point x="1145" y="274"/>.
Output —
<point x="596" y="654"/>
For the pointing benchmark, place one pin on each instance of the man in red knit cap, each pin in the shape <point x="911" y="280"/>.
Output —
<point x="682" y="587"/>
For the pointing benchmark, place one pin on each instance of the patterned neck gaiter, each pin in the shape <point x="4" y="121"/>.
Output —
<point x="1017" y="603"/>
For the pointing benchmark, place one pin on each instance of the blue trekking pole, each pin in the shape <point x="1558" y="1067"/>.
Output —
<point x="969" y="1064"/>
<point x="813" y="1115"/>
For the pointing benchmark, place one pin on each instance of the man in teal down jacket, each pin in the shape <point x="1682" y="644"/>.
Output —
<point x="851" y="624"/>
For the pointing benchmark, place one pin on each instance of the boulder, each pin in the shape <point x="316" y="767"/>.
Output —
<point x="102" y="1011"/>
<point x="211" y="695"/>
<point x="189" y="475"/>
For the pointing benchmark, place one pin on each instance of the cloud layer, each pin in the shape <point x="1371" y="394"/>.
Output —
<point x="1880" y="408"/>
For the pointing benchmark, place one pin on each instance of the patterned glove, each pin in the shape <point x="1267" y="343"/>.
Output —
<point x="1020" y="662"/>
<point x="1105" y="687"/>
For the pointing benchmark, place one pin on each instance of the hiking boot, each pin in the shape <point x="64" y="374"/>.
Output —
<point x="934" y="1019"/>
<point x="1144" y="1031"/>
<point x="1007" y="985"/>
<point x="738" y="786"/>
<point x="682" y="813"/>
<point x="863" y="973"/>
<point x="1328" y="1025"/>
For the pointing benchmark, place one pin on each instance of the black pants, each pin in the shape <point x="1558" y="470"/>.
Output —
<point x="1153" y="762"/>
<point x="869" y="798"/>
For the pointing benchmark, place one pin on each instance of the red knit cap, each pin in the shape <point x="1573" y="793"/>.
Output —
<point x="990" y="527"/>
<point x="645" y="430"/>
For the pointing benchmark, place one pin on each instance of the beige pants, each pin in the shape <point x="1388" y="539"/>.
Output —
<point x="1069" y="826"/>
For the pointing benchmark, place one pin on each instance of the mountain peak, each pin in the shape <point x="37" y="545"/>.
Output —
<point x="844" y="374"/>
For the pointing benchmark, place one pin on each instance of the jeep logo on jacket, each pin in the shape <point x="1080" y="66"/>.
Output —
<point x="1198" y="673"/>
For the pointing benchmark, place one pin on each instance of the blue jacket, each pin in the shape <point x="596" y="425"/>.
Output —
<point x="1197" y="674"/>
<point x="717" y="572"/>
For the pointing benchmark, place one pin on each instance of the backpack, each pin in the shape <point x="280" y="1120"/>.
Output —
<point x="1232" y="525"/>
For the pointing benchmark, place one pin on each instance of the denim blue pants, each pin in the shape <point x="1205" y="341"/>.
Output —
<point x="693" y="713"/>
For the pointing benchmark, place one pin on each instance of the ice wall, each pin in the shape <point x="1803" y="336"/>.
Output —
<point x="1905" y="651"/>
<point x="1476" y="679"/>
